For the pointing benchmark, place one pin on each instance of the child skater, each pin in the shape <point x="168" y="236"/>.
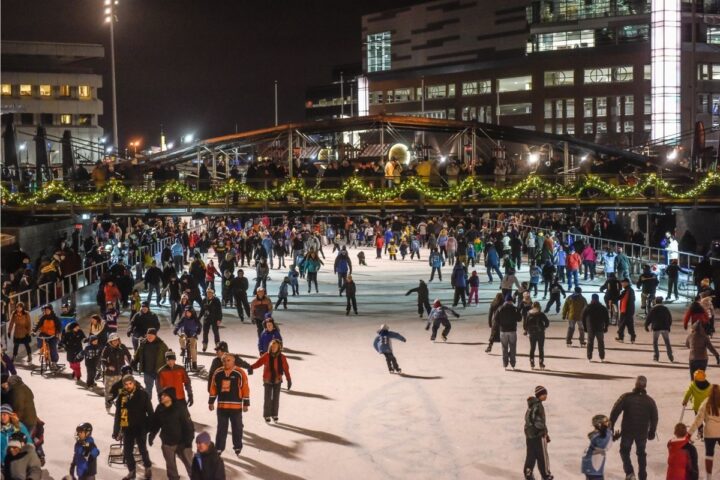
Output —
<point x="593" y="461"/>
<point x="383" y="345"/>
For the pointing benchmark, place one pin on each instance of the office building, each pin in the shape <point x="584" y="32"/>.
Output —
<point x="55" y="85"/>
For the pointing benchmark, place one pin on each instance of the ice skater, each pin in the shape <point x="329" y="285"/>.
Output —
<point x="383" y="345"/>
<point x="535" y="325"/>
<point x="536" y="436"/>
<point x="423" y="298"/>
<point x="593" y="461"/>
<point x="85" y="454"/>
<point x="349" y="288"/>
<point x="275" y="365"/>
<point x="438" y="316"/>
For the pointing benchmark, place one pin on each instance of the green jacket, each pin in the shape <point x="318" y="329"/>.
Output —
<point x="573" y="307"/>
<point x="159" y="356"/>
<point x="698" y="394"/>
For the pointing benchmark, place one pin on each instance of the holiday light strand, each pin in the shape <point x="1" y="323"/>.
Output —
<point x="114" y="191"/>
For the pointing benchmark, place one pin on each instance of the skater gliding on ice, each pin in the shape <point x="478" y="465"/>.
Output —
<point x="383" y="345"/>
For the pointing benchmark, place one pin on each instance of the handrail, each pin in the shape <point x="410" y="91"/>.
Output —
<point x="86" y="276"/>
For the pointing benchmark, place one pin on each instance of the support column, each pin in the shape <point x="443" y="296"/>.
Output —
<point x="199" y="160"/>
<point x="290" y="152"/>
<point x="214" y="164"/>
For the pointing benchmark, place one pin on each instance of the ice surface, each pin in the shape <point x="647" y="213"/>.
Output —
<point x="455" y="413"/>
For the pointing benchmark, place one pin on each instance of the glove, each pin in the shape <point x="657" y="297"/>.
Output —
<point x="190" y="401"/>
<point x="616" y="435"/>
<point x="525" y="332"/>
<point x="651" y="436"/>
<point x="117" y="437"/>
<point x="151" y="438"/>
<point x="457" y="315"/>
<point x="717" y="359"/>
<point x="249" y="370"/>
<point x="289" y="385"/>
<point x="647" y="329"/>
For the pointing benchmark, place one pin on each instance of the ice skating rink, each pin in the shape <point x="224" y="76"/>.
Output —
<point x="454" y="413"/>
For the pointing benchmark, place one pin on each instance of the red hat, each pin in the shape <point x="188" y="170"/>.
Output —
<point x="437" y="303"/>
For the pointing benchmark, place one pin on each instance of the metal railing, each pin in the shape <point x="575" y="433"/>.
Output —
<point x="639" y="255"/>
<point x="70" y="284"/>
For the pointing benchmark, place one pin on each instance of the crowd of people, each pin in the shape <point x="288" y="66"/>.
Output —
<point x="200" y="274"/>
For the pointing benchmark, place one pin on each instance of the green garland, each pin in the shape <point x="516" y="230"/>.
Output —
<point x="58" y="191"/>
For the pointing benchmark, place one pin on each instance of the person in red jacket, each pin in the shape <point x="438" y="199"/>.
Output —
<point x="379" y="242"/>
<point x="573" y="263"/>
<point x="682" y="456"/>
<point x="696" y="313"/>
<point x="173" y="375"/>
<point x="112" y="293"/>
<point x="275" y="365"/>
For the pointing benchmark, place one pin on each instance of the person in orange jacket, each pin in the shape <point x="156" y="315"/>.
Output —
<point x="275" y="365"/>
<point x="572" y="263"/>
<point x="173" y="375"/>
<point x="230" y="388"/>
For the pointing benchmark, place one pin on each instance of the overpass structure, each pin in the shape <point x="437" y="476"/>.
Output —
<point x="557" y="171"/>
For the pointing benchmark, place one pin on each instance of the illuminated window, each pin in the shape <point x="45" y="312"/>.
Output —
<point x="84" y="120"/>
<point x="588" y="111"/>
<point x="84" y="91"/>
<point x="588" y="127"/>
<point x="469" y="113"/>
<point x="64" y="90"/>
<point x="26" y="90"/>
<point x="629" y="126"/>
<point x="548" y="109"/>
<point x="634" y="33"/>
<point x="570" y="108"/>
<point x="514" y="84"/>
<point x="437" y="91"/>
<point x="403" y="95"/>
<point x="629" y="106"/>
<point x="647" y="72"/>
<point x="647" y="105"/>
<point x="558" y="78"/>
<point x="713" y="35"/>
<point x="601" y="106"/>
<point x="602" y="127"/>
<point x="65" y="119"/>
<point x="485" y="114"/>
<point x="6" y="89"/>
<point x="476" y="88"/>
<point x="451" y="114"/>
<point x="451" y="90"/>
<point x="570" y="129"/>
<point x="515" y="109"/>
<point x="622" y="73"/>
<point x="547" y="42"/>
<point x="378" y="50"/>
<point x="45" y="90"/>
<point x="376" y="98"/>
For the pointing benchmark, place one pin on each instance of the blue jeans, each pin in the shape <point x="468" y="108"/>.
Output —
<point x="573" y="276"/>
<point x="490" y="269"/>
<point x="150" y="380"/>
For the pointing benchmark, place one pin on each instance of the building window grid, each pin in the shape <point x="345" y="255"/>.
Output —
<point x="571" y="10"/>
<point x="26" y="90"/>
<point x="509" y="109"/>
<point x="548" y="42"/>
<point x="6" y="89"/>
<point x="83" y="91"/>
<point x="437" y="91"/>
<point x="46" y="90"/>
<point x="514" y="84"/>
<point x="65" y="119"/>
<point x="379" y="52"/>
<point x="475" y="88"/>
<point x="713" y="35"/>
<point x="559" y="78"/>
<point x="623" y="73"/>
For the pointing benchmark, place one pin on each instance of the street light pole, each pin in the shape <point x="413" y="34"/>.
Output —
<point x="110" y="17"/>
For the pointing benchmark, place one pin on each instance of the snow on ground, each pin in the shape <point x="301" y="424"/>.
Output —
<point x="455" y="413"/>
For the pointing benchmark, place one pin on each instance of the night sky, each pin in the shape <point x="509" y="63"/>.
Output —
<point x="203" y="66"/>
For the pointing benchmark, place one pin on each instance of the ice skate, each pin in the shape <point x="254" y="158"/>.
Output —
<point x="237" y="451"/>
<point x="275" y="419"/>
<point x="267" y="419"/>
<point x="532" y="364"/>
<point x="542" y="366"/>
<point x="130" y="476"/>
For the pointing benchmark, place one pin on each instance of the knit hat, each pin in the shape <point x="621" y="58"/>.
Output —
<point x="14" y="443"/>
<point x="540" y="391"/>
<point x="699" y="376"/>
<point x="152" y="331"/>
<point x="203" y="437"/>
<point x="641" y="381"/>
<point x="6" y="408"/>
<point x="170" y="392"/>
<point x="436" y="303"/>
<point x="170" y="355"/>
<point x="578" y="290"/>
<point x="145" y="304"/>
<point x="595" y="297"/>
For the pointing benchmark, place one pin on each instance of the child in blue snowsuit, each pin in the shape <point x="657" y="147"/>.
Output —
<point x="593" y="461"/>
<point x="293" y="274"/>
<point x="85" y="453"/>
<point x="383" y="344"/>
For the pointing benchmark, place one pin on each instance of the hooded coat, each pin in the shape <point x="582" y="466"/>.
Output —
<point x="22" y="400"/>
<point x="640" y="414"/>
<point x="208" y="465"/>
<point x="535" y="422"/>
<point x="23" y="466"/>
<point x="172" y="422"/>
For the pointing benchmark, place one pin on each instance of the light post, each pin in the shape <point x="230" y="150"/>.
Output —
<point x="135" y="146"/>
<point x="111" y="18"/>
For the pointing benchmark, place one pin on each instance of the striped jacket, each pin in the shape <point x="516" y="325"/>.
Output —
<point x="231" y="390"/>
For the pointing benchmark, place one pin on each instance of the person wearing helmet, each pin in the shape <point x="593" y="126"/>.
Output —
<point x="221" y="349"/>
<point x="593" y="460"/>
<point x="48" y="326"/>
<point x="114" y="357"/>
<point x="260" y="306"/>
<point x="85" y="453"/>
<point x="383" y="345"/>
<point x="438" y="316"/>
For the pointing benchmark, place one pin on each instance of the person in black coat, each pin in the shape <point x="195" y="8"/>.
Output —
<point x="133" y="414"/>
<point x="349" y="288"/>
<point x="211" y="314"/>
<point x="207" y="463"/>
<point x="141" y="322"/>
<point x="639" y="424"/>
<point x="660" y="318"/>
<point x="153" y="278"/>
<point x="507" y="318"/>
<point x="176" y="433"/>
<point x="423" y="298"/>
<point x="596" y="321"/>
<point x="238" y="288"/>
